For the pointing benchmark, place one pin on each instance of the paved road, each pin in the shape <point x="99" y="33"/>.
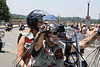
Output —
<point x="8" y="54"/>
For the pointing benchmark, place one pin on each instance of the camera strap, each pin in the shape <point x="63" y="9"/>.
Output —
<point x="48" y="38"/>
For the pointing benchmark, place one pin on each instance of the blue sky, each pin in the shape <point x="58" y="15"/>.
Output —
<point x="65" y="8"/>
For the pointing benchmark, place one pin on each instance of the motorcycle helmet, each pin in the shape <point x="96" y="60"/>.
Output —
<point x="33" y="16"/>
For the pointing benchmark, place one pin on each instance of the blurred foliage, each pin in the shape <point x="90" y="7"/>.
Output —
<point x="73" y="19"/>
<point x="63" y="19"/>
<point x="18" y="17"/>
<point x="4" y="11"/>
<point x="78" y="20"/>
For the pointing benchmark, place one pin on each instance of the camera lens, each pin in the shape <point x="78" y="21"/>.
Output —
<point x="55" y="33"/>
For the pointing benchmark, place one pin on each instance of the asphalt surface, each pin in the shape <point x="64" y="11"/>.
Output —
<point x="6" y="58"/>
<point x="8" y="53"/>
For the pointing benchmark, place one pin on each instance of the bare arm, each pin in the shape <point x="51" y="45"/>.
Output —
<point x="39" y="43"/>
<point x="86" y="42"/>
<point x="20" y="50"/>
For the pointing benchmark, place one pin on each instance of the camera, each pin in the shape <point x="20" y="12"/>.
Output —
<point x="53" y="29"/>
<point x="57" y="29"/>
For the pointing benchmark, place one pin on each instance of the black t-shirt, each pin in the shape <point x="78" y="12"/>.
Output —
<point x="34" y="52"/>
<point x="67" y="49"/>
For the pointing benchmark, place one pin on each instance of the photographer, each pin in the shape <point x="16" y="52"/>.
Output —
<point x="46" y="52"/>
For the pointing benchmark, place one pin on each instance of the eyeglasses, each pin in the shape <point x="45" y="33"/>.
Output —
<point x="40" y="20"/>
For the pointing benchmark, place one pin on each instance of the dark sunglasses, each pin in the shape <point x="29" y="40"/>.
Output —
<point x="40" y="20"/>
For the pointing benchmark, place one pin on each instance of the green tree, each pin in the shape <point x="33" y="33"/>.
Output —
<point x="4" y="11"/>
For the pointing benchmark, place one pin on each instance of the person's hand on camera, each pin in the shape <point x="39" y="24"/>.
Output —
<point x="44" y="29"/>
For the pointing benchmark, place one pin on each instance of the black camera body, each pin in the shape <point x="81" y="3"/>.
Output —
<point x="57" y="29"/>
<point x="53" y="28"/>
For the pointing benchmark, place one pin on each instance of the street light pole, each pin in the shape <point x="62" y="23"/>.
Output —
<point x="87" y="22"/>
<point x="88" y="8"/>
<point x="99" y="17"/>
<point x="59" y="18"/>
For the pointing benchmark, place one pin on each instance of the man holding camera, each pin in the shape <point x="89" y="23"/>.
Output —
<point x="47" y="51"/>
